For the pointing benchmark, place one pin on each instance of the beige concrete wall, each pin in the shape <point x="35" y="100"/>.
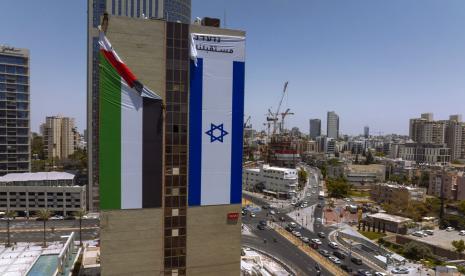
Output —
<point x="213" y="244"/>
<point x="213" y="30"/>
<point x="141" y="45"/>
<point x="131" y="242"/>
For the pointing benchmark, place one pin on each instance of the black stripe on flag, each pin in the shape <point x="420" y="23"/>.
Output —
<point x="152" y="153"/>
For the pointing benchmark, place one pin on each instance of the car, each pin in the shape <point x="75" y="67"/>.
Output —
<point x="317" y="241"/>
<point x="322" y="235"/>
<point x="462" y="233"/>
<point x="289" y="229"/>
<point x="363" y="272"/>
<point x="292" y="224"/>
<point x="356" y="260"/>
<point x="244" y="212"/>
<point x="377" y="273"/>
<point x="272" y="212"/>
<point x="56" y="218"/>
<point x="318" y="205"/>
<point x="450" y="229"/>
<point x="262" y="222"/>
<point x="346" y="268"/>
<point x="252" y="215"/>
<point x="341" y="255"/>
<point x="417" y="234"/>
<point x="400" y="270"/>
<point x="261" y="227"/>
<point x="305" y="239"/>
<point x="282" y="219"/>
<point x="429" y="232"/>
<point x="324" y="252"/>
<point x="317" y="267"/>
<point x="318" y="220"/>
<point x="335" y="260"/>
<point x="333" y="245"/>
<point x="297" y="234"/>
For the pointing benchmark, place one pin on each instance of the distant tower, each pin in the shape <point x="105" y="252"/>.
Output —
<point x="366" y="131"/>
<point x="315" y="128"/>
<point x="332" y="125"/>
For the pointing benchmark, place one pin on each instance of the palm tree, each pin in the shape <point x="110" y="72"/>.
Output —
<point x="44" y="215"/>
<point x="9" y="216"/>
<point x="80" y="214"/>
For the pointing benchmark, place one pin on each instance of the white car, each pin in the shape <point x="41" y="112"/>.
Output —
<point x="380" y="274"/>
<point x="333" y="245"/>
<point x="272" y="212"/>
<point x="418" y="234"/>
<point x="305" y="239"/>
<point x="462" y="233"/>
<point x="297" y="234"/>
<point x="429" y="232"/>
<point x="317" y="241"/>
<point x="334" y="260"/>
<point x="400" y="270"/>
<point x="450" y="229"/>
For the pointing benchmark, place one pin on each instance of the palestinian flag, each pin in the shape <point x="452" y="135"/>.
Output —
<point x="130" y="136"/>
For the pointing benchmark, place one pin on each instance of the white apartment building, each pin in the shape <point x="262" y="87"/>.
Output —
<point x="31" y="192"/>
<point x="275" y="181"/>
<point x="60" y="137"/>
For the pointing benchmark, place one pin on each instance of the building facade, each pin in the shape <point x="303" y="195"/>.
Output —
<point x="394" y="193"/>
<point x="366" y="131"/>
<point x="175" y="238"/>
<point x="31" y="192"/>
<point x="61" y="137"/>
<point x="14" y="110"/>
<point x="170" y="10"/>
<point x="332" y="125"/>
<point x="447" y="184"/>
<point x="274" y="181"/>
<point x="425" y="153"/>
<point x="315" y="128"/>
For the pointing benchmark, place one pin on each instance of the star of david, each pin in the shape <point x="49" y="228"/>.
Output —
<point x="212" y="135"/>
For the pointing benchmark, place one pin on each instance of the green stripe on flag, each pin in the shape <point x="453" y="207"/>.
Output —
<point x="109" y="136"/>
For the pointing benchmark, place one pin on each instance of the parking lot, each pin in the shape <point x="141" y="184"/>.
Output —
<point x="441" y="238"/>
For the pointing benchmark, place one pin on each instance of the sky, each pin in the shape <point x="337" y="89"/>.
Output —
<point x="373" y="62"/>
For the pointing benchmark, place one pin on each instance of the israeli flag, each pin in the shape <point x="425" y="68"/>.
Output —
<point x="216" y="112"/>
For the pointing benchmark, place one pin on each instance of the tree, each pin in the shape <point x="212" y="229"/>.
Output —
<point x="80" y="214"/>
<point x="459" y="246"/>
<point x="416" y="251"/>
<point x="424" y="179"/>
<point x="37" y="146"/>
<point x="370" y="159"/>
<point x="461" y="206"/>
<point x="44" y="215"/>
<point x="337" y="188"/>
<point x="9" y="216"/>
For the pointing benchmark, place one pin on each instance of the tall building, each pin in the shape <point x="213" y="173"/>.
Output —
<point x="315" y="128"/>
<point x="170" y="10"/>
<point x="366" y="131"/>
<point x="193" y="226"/>
<point x="332" y="125"/>
<point x="14" y="110"/>
<point x="61" y="138"/>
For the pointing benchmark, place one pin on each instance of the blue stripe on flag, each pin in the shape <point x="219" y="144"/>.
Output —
<point x="237" y="131"/>
<point x="195" y="132"/>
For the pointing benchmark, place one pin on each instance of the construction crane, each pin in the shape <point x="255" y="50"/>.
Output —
<point x="274" y="116"/>
<point x="246" y="122"/>
<point x="283" y="116"/>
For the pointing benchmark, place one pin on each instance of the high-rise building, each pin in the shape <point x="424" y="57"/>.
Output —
<point x="14" y="110"/>
<point x="427" y="116"/>
<point x="315" y="128"/>
<point x="332" y="125"/>
<point x="366" y="131"/>
<point x="170" y="10"/>
<point x="61" y="138"/>
<point x="193" y="227"/>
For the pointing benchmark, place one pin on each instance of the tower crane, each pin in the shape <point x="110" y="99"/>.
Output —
<point x="283" y="115"/>
<point x="274" y="116"/>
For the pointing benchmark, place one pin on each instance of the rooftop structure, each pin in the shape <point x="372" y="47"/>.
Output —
<point x="37" y="176"/>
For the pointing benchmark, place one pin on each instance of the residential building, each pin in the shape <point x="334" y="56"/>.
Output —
<point x="273" y="181"/>
<point x="174" y="236"/>
<point x="449" y="184"/>
<point x="426" y="153"/>
<point x="315" y="128"/>
<point x="170" y="10"/>
<point x="61" y="137"/>
<point x="332" y="125"/>
<point x="364" y="176"/>
<point x="392" y="193"/>
<point x="31" y="192"/>
<point x="366" y="131"/>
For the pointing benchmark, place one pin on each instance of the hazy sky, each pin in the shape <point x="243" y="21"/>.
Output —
<point x="375" y="63"/>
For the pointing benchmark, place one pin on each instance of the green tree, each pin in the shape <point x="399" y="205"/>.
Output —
<point x="337" y="188"/>
<point x="424" y="179"/>
<point x="459" y="246"/>
<point x="37" y="145"/>
<point x="369" y="159"/>
<point x="416" y="251"/>
<point x="461" y="206"/>
<point x="44" y="215"/>
<point x="80" y="214"/>
<point x="9" y="216"/>
<point x="302" y="176"/>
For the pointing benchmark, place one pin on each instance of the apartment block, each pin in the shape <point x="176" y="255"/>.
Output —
<point x="394" y="193"/>
<point x="425" y="153"/>
<point x="273" y="181"/>
<point x="61" y="137"/>
<point x="449" y="184"/>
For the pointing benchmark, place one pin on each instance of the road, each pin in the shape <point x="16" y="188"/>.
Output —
<point x="312" y="199"/>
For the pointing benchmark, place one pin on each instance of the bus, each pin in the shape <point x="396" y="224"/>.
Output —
<point x="321" y="195"/>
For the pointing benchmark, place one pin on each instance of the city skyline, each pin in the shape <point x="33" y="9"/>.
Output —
<point x="337" y="66"/>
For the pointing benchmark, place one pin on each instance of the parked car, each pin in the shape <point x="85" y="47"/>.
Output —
<point x="333" y="245"/>
<point x="252" y="215"/>
<point x="272" y="212"/>
<point x="346" y="268"/>
<point x="317" y="241"/>
<point x="261" y="227"/>
<point x="305" y="239"/>
<point x="462" y="233"/>
<point x="363" y="272"/>
<point x="292" y="224"/>
<point x="324" y="252"/>
<point x="429" y="232"/>
<point x="322" y="235"/>
<point x="339" y="254"/>
<point x="417" y="234"/>
<point x="297" y="234"/>
<point x="356" y="260"/>
<point x="400" y="270"/>
<point x="262" y="222"/>
<point x="377" y="273"/>
<point x="335" y="260"/>
<point x="450" y="229"/>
